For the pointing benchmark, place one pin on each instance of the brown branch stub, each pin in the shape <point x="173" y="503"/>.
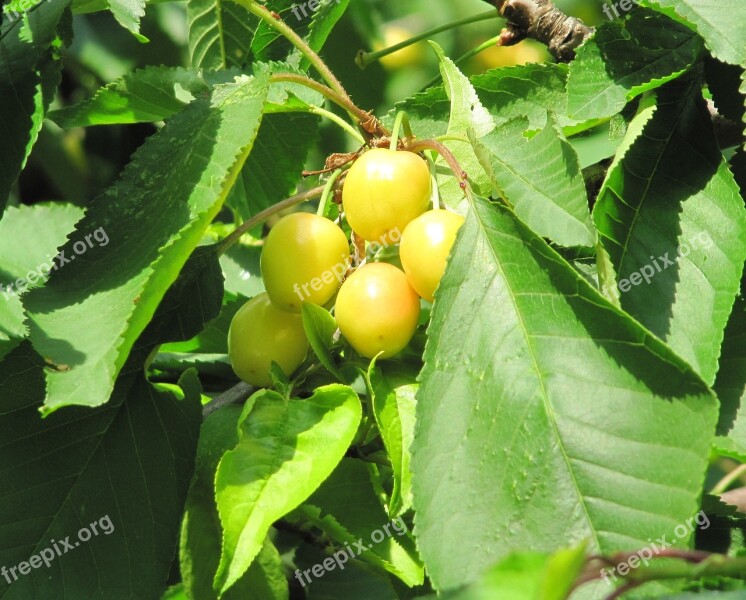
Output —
<point x="541" y="20"/>
<point x="372" y="125"/>
<point x="335" y="161"/>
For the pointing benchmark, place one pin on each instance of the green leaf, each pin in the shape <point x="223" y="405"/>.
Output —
<point x="533" y="90"/>
<point x="218" y="435"/>
<point x="143" y="96"/>
<point x="467" y="114"/>
<point x="28" y="80"/>
<point x="730" y="383"/>
<point x="175" y="593"/>
<point x="393" y="397"/>
<point x="129" y="460"/>
<point x="91" y="6"/>
<point x="274" y="166"/>
<point x="281" y="440"/>
<point x="320" y="327"/>
<point x="528" y="576"/>
<point x="672" y="220"/>
<point x="593" y="147"/>
<point x="428" y="112"/>
<point x="191" y="301"/>
<point x="91" y="310"/>
<point x="29" y="236"/>
<point x="125" y="466"/>
<point x="347" y="509"/>
<point x="327" y="15"/>
<point x="166" y="365"/>
<point x="721" y="24"/>
<point x="285" y="96"/>
<point x="285" y="138"/>
<point x="541" y="178"/>
<point x="220" y="34"/>
<point x="517" y="444"/>
<point x="312" y="24"/>
<point x="128" y="14"/>
<point x="269" y="44"/>
<point x="12" y="329"/>
<point x="625" y="58"/>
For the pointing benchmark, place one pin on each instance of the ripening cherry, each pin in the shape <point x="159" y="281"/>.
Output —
<point x="304" y="259"/>
<point x="261" y="333"/>
<point x="384" y="190"/>
<point x="425" y="245"/>
<point x="377" y="310"/>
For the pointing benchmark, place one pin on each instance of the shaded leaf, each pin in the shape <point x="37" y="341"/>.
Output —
<point x="324" y="19"/>
<point x="721" y="24"/>
<point x="274" y="166"/>
<point x="268" y="44"/>
<point x="154" y="216"/>
<point x="28" y="81"/>
<point x="201" y="533"/>
<point x="129" y="462"/>
<point x="214" y="338"/>
<point x="29" y="236"/>
<point x="625" y="58"/>
<point x="730" y="385"/>
<point x="358" y="580"/>
<point x="532" y="90"/>
<point x="347" y="509"/>
<point x="320" y="327"/>
<point x="143" y="96"/>
<point x="280" y="440"/>
<point x="674" y="225"/>
<point x="724" y="81"/>
<point x="220" y="34"/>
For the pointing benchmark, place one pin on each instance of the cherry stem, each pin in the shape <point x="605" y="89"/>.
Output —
<point x="460" y="174"/>
<point x="722" y="485"/>
<point x="690" y="565"/>
<point x="364" y="59"/>
<point x="328" y="191"/>
<point x="401" y="118"/>
<point x="288" y="33"/>
<point x="355" y="112"/>
<point x="434" y="192"/>
<point x="322" y="112"/>
<point x="262" y="216"/>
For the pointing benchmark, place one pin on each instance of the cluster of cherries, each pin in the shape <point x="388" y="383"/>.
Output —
<point x="385" y="198"/>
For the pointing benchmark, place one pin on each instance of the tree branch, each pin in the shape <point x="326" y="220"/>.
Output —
<point x="235" y="395"/>
<point x="541" y="20"/>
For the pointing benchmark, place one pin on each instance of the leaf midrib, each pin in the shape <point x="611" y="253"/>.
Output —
<point x="535" y="364"/>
